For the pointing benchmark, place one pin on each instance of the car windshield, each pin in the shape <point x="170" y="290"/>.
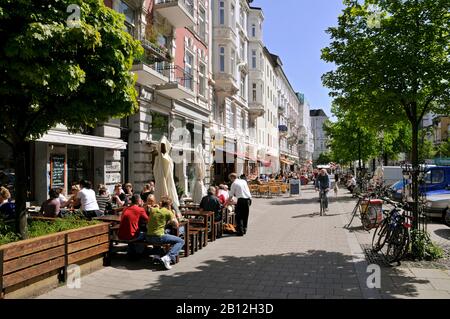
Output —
<point x="434" y="177"/>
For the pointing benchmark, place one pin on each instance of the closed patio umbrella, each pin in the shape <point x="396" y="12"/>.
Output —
<point x="163" y="173"/>
<point x="199" y="190"/>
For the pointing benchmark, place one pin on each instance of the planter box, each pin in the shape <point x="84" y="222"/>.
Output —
<point x="28" y="259"/>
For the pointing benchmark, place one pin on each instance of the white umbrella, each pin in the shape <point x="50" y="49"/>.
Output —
<point x="199" y="190"/>
<point x="163" y="173"/>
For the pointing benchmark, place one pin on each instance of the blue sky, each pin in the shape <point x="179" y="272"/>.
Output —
<point x="295" y="31"/>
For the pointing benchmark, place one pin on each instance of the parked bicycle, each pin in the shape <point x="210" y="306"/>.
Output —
<point x="392" y="237"/>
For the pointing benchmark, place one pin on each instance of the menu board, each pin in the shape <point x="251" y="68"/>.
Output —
<point x="294" y="187"/>
<point x="57" y="171"/>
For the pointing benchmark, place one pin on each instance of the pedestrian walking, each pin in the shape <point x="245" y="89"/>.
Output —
<point x="239" y="189"/>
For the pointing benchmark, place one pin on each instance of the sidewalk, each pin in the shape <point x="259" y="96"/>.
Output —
<point x="289" y="252"/>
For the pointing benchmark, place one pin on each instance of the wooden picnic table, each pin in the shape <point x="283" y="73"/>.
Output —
<point x="114" y="220"/>
<point x="207" y="218"/>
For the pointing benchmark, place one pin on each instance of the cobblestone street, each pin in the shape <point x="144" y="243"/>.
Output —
<point x="288" y="252"/>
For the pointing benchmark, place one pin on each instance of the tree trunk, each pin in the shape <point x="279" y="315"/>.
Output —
<point x="20" y="152"/>
<point x="386" y="159"/>
<point x="415" y="173"/>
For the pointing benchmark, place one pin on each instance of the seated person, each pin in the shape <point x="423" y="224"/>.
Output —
<point x="72" y="202"/>
<point x="351" y="184"/>
<point x="7" y="209"/>
<point x="104" y="200"/>
<point x="210" y="203"/>
<point x="119" y="199"/>
<point x="62" y="198"/>
<point x="147" y="190"/>
<point x="52" y="206"/>
<point x="222" y="194"/>
<point x="132" y="216"/>
<point x="158" y="219"/>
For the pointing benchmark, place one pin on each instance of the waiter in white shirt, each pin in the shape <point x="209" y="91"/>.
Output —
<point x="240" y="190"/>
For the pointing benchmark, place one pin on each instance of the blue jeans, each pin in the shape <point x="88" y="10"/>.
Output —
<point x="176" y="242"/>
<point x="325" y="194"/>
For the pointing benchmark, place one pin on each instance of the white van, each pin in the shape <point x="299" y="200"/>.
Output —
<point x="392" y="174"/>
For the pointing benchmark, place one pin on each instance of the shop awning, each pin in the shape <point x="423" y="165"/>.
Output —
<point x="61" y="137"/>
<point x="287" y="162"/>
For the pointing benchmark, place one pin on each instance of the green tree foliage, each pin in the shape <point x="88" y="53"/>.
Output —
<point x="443" y="150"/>
<point x="324" y="159"/>
<point x="393" y="70"/>
<point x="53" y="73"/>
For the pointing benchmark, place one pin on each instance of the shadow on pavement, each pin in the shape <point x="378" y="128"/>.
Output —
<point x="443" y="233"/>
<point x="314" y="274"/>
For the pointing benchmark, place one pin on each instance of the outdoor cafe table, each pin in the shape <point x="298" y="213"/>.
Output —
<point x="207" y="217"/>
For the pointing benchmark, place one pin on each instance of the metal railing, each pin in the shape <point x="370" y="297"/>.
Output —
<point x="187" y="4"/>
<point x="176" y="74"/>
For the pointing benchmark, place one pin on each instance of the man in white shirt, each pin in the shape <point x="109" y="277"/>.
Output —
<point x="88" y="200"/>
<point x="240" y="190"/>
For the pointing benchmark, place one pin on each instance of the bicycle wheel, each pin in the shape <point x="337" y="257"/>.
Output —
<point x="395" y="244"/>
<point x="380" y="235"/>
<point x="404" y="241"/>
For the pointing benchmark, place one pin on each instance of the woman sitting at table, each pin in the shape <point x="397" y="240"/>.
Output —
<point x="52" y="206"/>
<point x="71" y="203"/>
<point x="119" y="199"/>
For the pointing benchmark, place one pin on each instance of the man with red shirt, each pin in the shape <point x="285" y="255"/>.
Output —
<point x="132" y="218"/>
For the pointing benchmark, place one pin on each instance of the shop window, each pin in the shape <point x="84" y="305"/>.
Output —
<point x="159" y="126"/>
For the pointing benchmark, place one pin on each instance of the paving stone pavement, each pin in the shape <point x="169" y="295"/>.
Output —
<point x="289" y="253"/>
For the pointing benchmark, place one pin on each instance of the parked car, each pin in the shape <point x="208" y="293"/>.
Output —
<point x="438" y="205"/>
<point x="436" y="178"/>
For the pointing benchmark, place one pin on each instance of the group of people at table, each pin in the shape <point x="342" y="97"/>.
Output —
<point x="143" y="218"/>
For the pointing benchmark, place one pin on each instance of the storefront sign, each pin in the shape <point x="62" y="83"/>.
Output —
<point x="57" y="171"/>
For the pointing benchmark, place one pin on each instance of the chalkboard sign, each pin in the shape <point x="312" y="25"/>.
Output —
<point x="294" y="186"/>
<point x="57" y="171"/>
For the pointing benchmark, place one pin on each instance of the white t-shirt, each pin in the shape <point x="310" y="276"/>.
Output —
<point x="240" y="189"/>
<point x="88" y="200"/>
<point x="62" y="199"/>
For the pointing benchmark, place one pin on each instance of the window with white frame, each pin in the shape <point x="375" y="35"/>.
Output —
<point x="243" y="120"/>
<point x="222" y="59"/>
<point x="243" y="50"/>
<point x="253" y="30"/>
<point x="254" y="59"/>
<point x="189" y="69"/>
<point x="202" y="23"/>
<point x="233" y="62"/>
<point x="130" y="14"/>
<point x="254" y="92"/>
<point x="221" y="12"/>
<point x="243" y="88"/>
<point x="202" y="79"/>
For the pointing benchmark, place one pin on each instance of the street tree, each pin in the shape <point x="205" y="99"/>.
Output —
<point x="393" y="70"/>
<point x="61" y="61"/>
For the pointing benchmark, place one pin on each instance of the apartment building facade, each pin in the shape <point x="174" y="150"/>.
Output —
<point x="306" y="138"/>
<point x="230" y="136"/>
<point x="318" y="119"/>
<point x="173" y="86"/>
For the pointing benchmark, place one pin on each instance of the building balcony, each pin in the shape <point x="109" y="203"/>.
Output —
<point x="226" y="82"/>
<point x="155" y="52"/>
<point x="281" y="110"/>
<point x="180" y="84"/>
<point x="256" y="109"/>
<point x="179" y="13"/>
<point x="148" y="75"/>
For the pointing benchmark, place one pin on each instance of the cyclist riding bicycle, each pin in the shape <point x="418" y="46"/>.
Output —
<point x="323" y="184"/>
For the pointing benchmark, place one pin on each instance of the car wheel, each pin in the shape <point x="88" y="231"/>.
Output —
<point x="446" y="217"/>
